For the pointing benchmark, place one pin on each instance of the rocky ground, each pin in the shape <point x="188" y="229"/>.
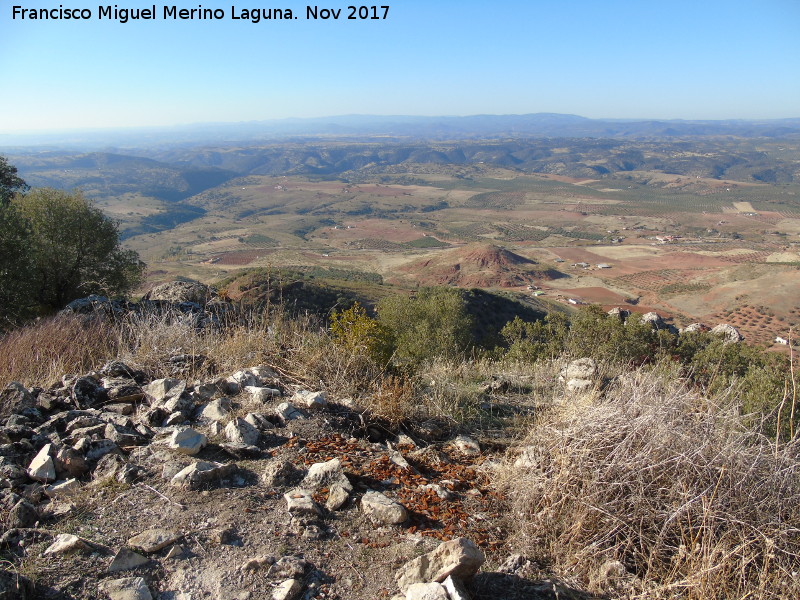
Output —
<point x="245" y="487"/>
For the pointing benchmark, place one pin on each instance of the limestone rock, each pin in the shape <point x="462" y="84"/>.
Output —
<point x="98" y="449"/>
<point x="216" y="410"/>
<point x="42" y="467"/>
<point x="381" y="509"/>
<point x="262" y="394"/>
<point x="153" y="540"/>
<point x="582" y="368"/>
<point x="66" y="543"/>
<point x="459" y="558"/>
<point x="159" y="390"/>
<point x="455" y="589"/>
<point x="126" y="559"/>
<point x="308" y="399"/>
<point x="467" y="446"/>
<point x="127" y="588"/>
<point x="22" y="514"/>
<point x="63" y="488"/>
<point x="579" y="374"/>
<point x="654" y="319"/>
<point x="69" y="462"/>
<point x="182" y="291"/>
<point x="324" y="474"/>
<point x="259" y="562"/>
<point x="427" y="591"/>
<point x="288" y="590"/>
<point x="280" y="473"/>
<point x="337" y="497"/>
<point x="728" y="333"/>
<point x="259" y="421"/>
<point x="17" y="395"/>
<point x="693" y="328"/>
<point x="240" y="431"/>
<point x="288" y="567"/>
<point x="187" y="441"/>
<point x="288" y="412"/>
<point x="300" y="502"/>
<point x="201" y="473"/>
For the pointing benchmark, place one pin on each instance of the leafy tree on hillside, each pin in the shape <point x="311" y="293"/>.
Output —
<point x="16" y="265"/>
<point x="10" y="182"/>
<point x="76" y="248"/>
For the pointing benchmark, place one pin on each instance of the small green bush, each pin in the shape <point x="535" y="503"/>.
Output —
<point x="434" y="323"/>
<point x="352" y="330"/>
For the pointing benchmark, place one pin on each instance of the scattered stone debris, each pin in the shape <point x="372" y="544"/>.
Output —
<point x="186" y="485"/>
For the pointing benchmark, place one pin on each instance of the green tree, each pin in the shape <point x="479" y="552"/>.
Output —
<point x="16" y="266"/>
<point x="76" y="248"/>
<point x="433" y="323"/>
<point x="531" y="341"/>
<point x="10" y="182"/>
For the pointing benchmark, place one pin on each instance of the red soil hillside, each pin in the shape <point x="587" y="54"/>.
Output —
<point x="477" y="265"/>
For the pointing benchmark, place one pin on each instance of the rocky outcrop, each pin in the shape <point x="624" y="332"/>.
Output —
<point x="728" y="333"/>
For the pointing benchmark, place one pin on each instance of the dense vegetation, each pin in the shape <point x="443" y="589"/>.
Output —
<point x="56" y="246"/>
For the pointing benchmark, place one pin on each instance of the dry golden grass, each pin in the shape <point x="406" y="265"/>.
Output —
<point x="693" y="504"/>
<point x="42" y="353"/>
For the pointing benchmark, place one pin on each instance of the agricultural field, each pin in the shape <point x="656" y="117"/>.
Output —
<point x="693" y="230"/>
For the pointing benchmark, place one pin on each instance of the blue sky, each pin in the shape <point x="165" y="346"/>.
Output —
<point x="613" y="58"/>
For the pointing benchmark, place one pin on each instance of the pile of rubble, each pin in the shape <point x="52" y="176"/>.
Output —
<point x="116" y="486"/>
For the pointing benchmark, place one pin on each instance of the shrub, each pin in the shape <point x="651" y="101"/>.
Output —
<point x="756" y="382"/>
<point x="595" y="334"/>
<point x="352" y="330"/>
<point x="532" y="341"/>
<point x="431" y="324"/>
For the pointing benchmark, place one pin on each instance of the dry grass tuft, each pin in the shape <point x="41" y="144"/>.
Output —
<point x="693" y="504"/>
<point x="394" y="400"/>
<point x="42" y="353"/>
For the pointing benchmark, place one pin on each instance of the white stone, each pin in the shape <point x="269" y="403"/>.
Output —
<point x="125" y="560"/>
<point x="42" y="467"/>
<point x="288" y="412"/>
<point x="153" y="540"/>
<point x="262" y="394"/>
<point x="381" y="509"/>
<point x="127" y="588"/>
<point x="201" y="472"/>
<point x="459" y="558"/>
<point x="240" y="431"/>
<point x="159" y="390"/>
<point x="66" y="543"/>
<point x="325" y="474"/>
<point x="300" y="502"/>
<point x="310" y="399"/>
<point x="63" y="488"/>
<point x="187" y="441"/>
<point x="467" y="446"/>
<point x="455" y="589"/>
<point x="216" y="410"/>
<point x="288" y="590"/>
<point x="427" y="591"/>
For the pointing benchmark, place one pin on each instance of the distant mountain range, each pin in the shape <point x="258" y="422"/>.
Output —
<point x="538" y="125"/>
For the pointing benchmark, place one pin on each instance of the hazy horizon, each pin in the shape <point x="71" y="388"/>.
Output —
<point x="622" y="59"/>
